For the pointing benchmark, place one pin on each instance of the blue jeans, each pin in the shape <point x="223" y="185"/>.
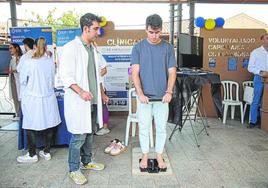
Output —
<point x="81" y="146"/>
<point x="145" y="112"/>
<point x="257" y="99"/>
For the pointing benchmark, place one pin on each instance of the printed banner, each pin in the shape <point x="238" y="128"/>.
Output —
<point x="65" y="35"/>
<point x="17" y="34"/>
<point x="116" y="80"/>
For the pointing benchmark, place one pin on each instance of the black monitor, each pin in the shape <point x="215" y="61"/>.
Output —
<point x="189" y="44"/>
<point x="5" y="58"/>
<point x="191" y="50"/>
<point x="192" y="61"/>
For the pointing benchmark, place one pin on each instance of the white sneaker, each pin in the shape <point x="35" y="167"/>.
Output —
<point x="102" y="131"/>
<point x="27" y="158"/>
<point x="117" y="149"/>
<point x="111" y="146"/>
<point x="44" y="155"/>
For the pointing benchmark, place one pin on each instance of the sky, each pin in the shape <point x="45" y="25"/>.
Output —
<point x="129" y="14"/>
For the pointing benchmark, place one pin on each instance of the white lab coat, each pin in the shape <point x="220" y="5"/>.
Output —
<point x="73" y="70"/>
<point x="24" y="57"/>
<point x="13" y="66"/>
<point x="39" y="103"/>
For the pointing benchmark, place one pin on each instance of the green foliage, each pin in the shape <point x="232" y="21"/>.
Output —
<point x="69" y="19"/>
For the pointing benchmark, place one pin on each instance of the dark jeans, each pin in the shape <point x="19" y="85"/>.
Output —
<point x="81" y="145"/>
<point x="47" y="135"/>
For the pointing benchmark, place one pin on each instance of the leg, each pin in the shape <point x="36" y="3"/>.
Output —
<point x="105" y="118"/>
<point x="105" y="114"/>
<point x="254" y="107"/>
<point x="86" y="149"/>
<point x="76" y="142"/>
<point x="160" y="113"/>
<point x="31" y="139"/>
<point x="144" y="113"/>
<point x="151" y="135"/>
<point x="48" y="137"/>
<point x="31" y="156"/>
<point x="94" y="124"/>
<point x="14" y="94"/>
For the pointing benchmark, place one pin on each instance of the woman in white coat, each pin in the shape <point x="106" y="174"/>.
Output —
<point x="16" y="53"/>
<point x="38" y="102"/>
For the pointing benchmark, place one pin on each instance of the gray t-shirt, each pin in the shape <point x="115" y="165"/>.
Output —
<point x="154" y="61"/>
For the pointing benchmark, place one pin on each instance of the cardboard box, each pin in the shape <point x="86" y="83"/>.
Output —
<point x="264" y="120"/>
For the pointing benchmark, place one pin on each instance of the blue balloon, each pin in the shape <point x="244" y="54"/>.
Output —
<point x="101" y="32"/>
<point x="200" y="22"/>
<point x="219" y="22"/>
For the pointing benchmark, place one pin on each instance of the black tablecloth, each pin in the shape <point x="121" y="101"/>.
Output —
<point x="188" y="81"/>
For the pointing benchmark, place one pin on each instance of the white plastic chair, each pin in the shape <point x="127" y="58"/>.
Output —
<point x="244" y="84"/>
<point x="230" y="100"/>
<point x="133" y="120"/>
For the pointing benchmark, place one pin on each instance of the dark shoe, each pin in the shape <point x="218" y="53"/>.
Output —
<point x="251" y="125"/>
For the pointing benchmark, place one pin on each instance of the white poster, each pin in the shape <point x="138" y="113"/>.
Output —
<point x="116" y="79"/>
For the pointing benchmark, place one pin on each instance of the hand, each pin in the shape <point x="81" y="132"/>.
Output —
<point x="86" y="95"/>
<point x="167" y="98"/>
<point x="264" y="74"/>
<point x="105" y="99"/>
<point x="12" y="71"/>
<point x="103" y="71"/>
<point x="144" y="99"/>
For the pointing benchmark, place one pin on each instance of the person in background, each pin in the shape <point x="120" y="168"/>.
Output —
<point x="16" y="54"/>
<point x="258" y="65"/>
<point x="105" y="112"/>
<point x="48" y="53"/>
<point x="83" y="96"/>
<point x="38" y="71"/>
<point x="153" y="68"/>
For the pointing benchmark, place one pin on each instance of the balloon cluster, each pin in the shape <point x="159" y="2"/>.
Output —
<point x="209" y="24"/>
<point x="102" y="24"/>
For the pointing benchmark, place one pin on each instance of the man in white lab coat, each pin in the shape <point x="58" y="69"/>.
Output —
<point x="83" y="97"/>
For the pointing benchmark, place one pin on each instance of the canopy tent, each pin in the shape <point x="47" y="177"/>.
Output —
<point x="139" y="1"/>
<point x="172" y="3"/>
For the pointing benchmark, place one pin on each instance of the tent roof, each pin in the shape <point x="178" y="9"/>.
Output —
<point x="141" y="1"/>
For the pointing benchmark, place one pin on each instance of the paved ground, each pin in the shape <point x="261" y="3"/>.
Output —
<point x="232" y="156"/>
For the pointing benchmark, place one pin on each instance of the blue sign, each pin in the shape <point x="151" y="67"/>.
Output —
<point x="19" y="33"/>
<point x="232" y="64"/>
<point x="117" y="94"/>
<point x="245" y="63"/>
<point x="212" y="62"/>
<point x="63" y="36"/>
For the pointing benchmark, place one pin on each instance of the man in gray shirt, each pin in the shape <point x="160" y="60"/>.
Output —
<point x="154" y="73"/>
